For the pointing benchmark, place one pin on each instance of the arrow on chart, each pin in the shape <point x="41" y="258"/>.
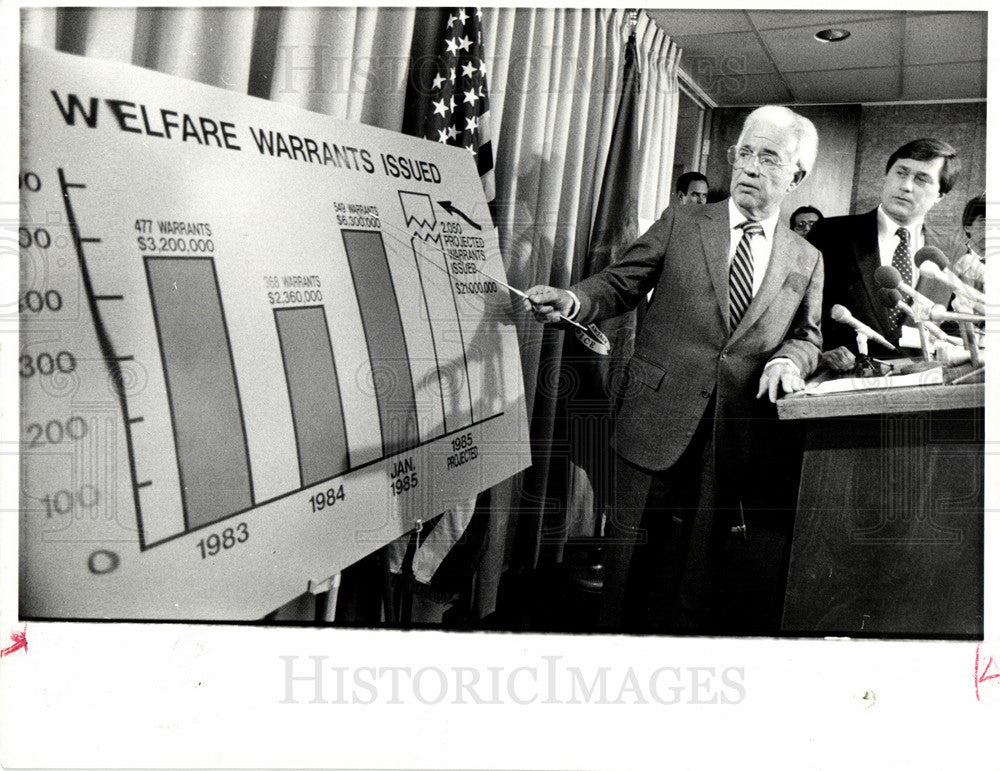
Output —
<point x="446" y="205"/>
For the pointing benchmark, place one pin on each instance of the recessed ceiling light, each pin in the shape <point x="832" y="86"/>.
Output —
<point x="832" y="35"/>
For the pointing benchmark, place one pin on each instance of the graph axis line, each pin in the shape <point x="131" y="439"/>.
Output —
<point x="290" y="493"/>
<point x="104" y="342"/>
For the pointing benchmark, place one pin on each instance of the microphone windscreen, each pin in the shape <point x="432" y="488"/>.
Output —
<point x="931" y="269"/>
<point x="888" y="296"/>
<point x="839" y="313"/>
<point x="932" y="254"/>
<point x="887" y="276"/>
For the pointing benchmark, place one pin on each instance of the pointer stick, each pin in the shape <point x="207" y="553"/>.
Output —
<point x="519" y="293"/>
<point x="595" y="339"/>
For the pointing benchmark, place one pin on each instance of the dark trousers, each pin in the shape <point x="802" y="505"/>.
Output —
<point x="648" y="536"/>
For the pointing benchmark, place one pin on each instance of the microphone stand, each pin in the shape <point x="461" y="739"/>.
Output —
<point x="969" y="339"/>
<point x="924" y="347"/>
<point x="865" y="365"/>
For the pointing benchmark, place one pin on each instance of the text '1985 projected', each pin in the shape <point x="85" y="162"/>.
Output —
<point x="255" y="345"/>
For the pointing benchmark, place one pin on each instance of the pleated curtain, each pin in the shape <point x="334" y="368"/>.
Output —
<point x="554" y="79"/>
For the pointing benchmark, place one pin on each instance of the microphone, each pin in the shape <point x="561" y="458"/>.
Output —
<point x="932" y="270"/>
<point x="939" y="313"/>
<point x="841" y="314"/>
<point x="888" y="277"/>
<point x="891" y="298"/>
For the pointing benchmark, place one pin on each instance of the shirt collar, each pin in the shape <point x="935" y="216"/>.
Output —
<point x="887" y="227"/>
<point x="736" y="217"/>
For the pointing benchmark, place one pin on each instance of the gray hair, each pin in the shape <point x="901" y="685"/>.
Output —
<point x="806" y="139"/>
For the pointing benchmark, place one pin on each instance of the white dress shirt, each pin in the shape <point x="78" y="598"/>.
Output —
<point x="760" y="245"/>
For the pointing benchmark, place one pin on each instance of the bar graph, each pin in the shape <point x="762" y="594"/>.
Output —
<point x="205" y="408"/>
<point x="314" y="393"/>
<point x="390" y="360"/>
<point x="240" y="375"/>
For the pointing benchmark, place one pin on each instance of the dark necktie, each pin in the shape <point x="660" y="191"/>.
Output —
<point x="901" y="261"/>
<point x="741" y="274"/>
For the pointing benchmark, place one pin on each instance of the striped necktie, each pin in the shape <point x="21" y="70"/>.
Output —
<point x="741" y="274"/>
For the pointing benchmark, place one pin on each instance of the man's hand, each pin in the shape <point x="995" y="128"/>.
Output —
<point x="839" y="359"/>
<point x="547" y="302"/>
<point x="778" y="379"/>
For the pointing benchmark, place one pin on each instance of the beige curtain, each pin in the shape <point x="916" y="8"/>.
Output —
<point x="659" y="62"/>
<point x="349" y="63"/>
<point x="554" y="77"/>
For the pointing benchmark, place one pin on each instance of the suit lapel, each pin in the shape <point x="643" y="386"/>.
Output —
<point x="715" y="241"/>
<point x="784" y="255"/>
<point x="868" y="262"/>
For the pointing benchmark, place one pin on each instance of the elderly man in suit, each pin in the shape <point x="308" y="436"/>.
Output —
<point x="917" y="176"/>
<point x="735" y="318"/>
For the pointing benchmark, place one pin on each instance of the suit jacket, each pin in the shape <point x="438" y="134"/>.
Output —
<point x="850" y="257"/>
<point x="684" y="353"/>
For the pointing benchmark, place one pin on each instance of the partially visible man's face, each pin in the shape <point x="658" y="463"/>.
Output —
<point x="911" y="188"/>
<point x="697" y="193"/>
<point x="977" y="234"/>
<point x="758" y="191"/>
<point x="804" y="222"/>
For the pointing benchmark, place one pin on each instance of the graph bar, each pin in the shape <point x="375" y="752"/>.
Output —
<point x="210" y="439"/>
<point x="446" y="328"/>
<point x="384" y="334"/>
<point x="314" y="393"/>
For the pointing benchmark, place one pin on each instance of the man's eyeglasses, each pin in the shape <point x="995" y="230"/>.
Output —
<point x="741" y="157"/>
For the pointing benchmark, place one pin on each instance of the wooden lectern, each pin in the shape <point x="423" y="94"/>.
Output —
<point x="888" y="538"/>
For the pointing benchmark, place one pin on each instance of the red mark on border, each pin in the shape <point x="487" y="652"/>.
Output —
<point x="19" y="640"/>
<point x="985" y="674"/>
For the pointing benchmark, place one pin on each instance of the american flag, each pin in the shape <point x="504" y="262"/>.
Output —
<point x="460" y="105"/>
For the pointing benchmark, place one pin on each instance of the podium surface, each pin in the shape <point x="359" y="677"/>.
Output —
<point x="888" y="537"/>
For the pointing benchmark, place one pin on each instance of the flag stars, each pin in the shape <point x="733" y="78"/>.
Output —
<point x="471" y="124"/>
<point x="440" y="108"/>
<point x="471" y="97"/>
<point x="464" y="43"/>
<point x="453" y="132"/>
<point x="462" y="15"/>
<point x="438" y="81"/>
<point x="468" y="69"/>
<point x="443" y="136"/>
<point x="453" y="46"/>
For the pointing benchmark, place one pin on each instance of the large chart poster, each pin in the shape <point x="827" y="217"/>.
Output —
<point x="256" y="344"/>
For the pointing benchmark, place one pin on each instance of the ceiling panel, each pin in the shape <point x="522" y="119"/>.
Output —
<point x="751" y="89"/>
<point x="730" y="52"/>
<point x="700" y="22"/>
<point x="871" y="44"/>
<point x="963" y="80"/>
<point x="944" y="37"/>
<point x="816" y="19"/>
<point x="751" y="57"/>
<point x="877" y="85"/>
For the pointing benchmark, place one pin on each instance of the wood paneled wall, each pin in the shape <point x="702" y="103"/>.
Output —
<point x="855" y="143"/>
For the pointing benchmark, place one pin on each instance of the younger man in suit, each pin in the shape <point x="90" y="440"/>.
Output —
<point x="917" y="176"/>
